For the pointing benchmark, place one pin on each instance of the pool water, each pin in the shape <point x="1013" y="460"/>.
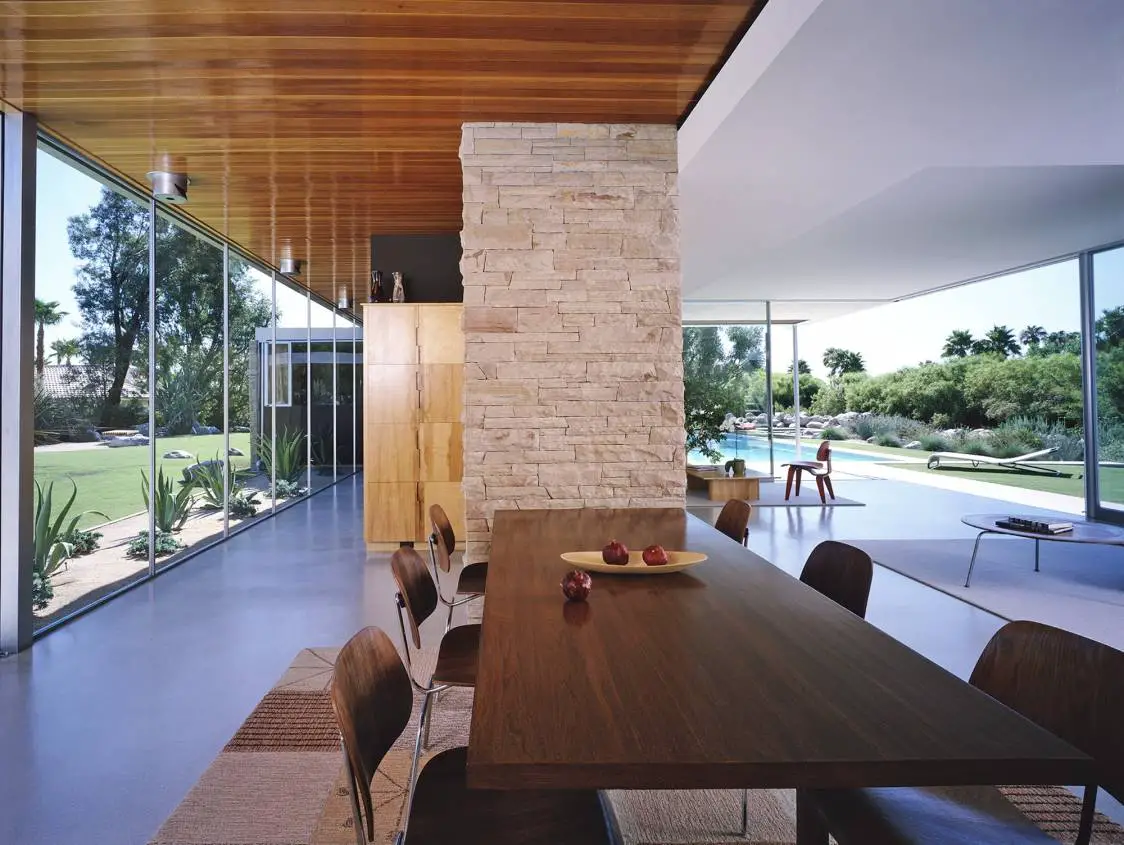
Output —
<point x="755" y="449"/>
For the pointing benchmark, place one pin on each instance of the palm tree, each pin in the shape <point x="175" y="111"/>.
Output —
<point x="1031" y="336"/>
<point x="1001" y="340"/>
<point x="64" y="350"/>
<point x="46" y="314"/>
<point x="958" y="344"/>
<point x="839" y="361"/>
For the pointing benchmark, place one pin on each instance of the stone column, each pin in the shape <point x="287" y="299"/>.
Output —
<point x="573" y="326"/>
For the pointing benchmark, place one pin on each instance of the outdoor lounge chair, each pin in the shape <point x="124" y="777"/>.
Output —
<point x="1018" y="463"/>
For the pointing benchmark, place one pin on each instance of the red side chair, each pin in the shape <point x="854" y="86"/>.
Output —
<point x="820" y="469"/>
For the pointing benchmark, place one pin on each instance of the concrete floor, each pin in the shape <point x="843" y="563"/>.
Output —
<point x="107" y="722"/>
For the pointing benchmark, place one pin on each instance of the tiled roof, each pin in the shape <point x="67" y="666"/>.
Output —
<point x="72" y="381"/>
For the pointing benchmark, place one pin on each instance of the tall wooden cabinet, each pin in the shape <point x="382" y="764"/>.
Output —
<point x="412" y="407"/>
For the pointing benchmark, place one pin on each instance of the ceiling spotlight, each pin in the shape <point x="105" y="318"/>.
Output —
<point x="169" y="187"/>
<point x="290" y="266"/>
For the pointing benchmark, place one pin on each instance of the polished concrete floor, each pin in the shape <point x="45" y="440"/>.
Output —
<point x="107" y="722"/>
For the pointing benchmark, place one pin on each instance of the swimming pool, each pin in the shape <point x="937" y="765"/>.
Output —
<point x="755" y="448"/>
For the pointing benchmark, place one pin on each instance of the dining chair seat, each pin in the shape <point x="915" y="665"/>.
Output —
<point x="472" y="579"/>
<point x="969" y="815"/>
<point x="457" y="657"/>
<point x="445" y="811"/>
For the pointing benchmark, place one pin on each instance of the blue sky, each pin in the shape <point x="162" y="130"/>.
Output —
<point x="889" y="336"/>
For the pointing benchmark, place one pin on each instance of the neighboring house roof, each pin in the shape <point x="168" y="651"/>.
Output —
<point x="76" y="381"/>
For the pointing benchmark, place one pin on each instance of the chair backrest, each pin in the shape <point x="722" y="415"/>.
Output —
<point x="372" y="700"/>
<point x="823" y="453"/>
<point x="415" y="587"/>
<point x="734" y="519"/>
<point x="840" y="572"/>
<point x="1070" y="685"/>
<point x="444" y="540"/>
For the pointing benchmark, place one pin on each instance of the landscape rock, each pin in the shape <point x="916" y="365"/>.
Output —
<point x="235" y="451"/>
<point x="190" y="473"/>
<point x="913" y="444"/>
<point x="178" y="455"/>
<point x="815" y="424"/>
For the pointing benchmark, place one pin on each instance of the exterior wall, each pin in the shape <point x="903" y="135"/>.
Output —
<point x="573" y="328"/>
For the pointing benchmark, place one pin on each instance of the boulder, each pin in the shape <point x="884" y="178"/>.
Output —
<point x="235" y="452"/>
<point x="190" y="473"/>
<point x="761" y="419"/>
<point x="870" y="440"/>
<point x="815" y="425"/>
<point x="912" y="444"/>
<point x="134" y="440"/>
<point x="178" y="455"/>
<point x="982" y="432"/>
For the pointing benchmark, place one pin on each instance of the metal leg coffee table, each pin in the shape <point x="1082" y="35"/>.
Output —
<point x="1088" y="533"/>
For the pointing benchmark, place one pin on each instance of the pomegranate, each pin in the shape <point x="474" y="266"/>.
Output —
<point x="655" y="556"/>
<point x="615" y="553"/>
<point x="576" y="585"/>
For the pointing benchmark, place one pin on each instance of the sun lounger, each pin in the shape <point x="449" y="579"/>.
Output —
<point x="1019" y="463"/>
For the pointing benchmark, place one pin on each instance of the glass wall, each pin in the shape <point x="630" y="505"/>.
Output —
<point x="182" y="389"/>
<point x="1107" y="302"/>
<point x="91" y="389"/>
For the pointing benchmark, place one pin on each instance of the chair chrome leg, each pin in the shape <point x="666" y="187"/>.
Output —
<point x="429" y="719"/>
<point x="972" y="564"/>
<point x="1036" y="569"/>
<point x="745" y="812"/>
<point x="412" y="782"/>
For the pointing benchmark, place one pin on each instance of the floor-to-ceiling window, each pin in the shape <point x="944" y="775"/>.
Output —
<point x="92" y="337"/>
<point x="182" y="389"/>
<point x="1108" y="350"/>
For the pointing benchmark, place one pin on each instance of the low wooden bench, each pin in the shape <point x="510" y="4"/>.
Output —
<point x="719" y="487"/>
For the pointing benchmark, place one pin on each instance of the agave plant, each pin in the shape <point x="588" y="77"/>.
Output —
<point x="209" y="482"/>
<point x="51" y="548"/>
<point x="170" y="507"/>
<point x="289" y="458"/>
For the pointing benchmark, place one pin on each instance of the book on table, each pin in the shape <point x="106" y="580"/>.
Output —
<point x="1034" y="526"/>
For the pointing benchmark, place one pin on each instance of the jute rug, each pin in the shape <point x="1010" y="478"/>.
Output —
<point x="280" y="781"/>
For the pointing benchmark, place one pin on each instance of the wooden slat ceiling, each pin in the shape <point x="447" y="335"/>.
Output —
<point x="308" y="125"/>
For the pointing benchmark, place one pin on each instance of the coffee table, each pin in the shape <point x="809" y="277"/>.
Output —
<point x="1089" y="533"/>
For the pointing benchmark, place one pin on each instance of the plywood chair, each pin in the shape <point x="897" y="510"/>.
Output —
<point x="457" y="653"/>
<point x="442" y="542"/>
<point x="1070" y="685"/>
<point x="819" y="469"/>
<point x="372" y="701"/>
<point x="843" y="574"/>
<point x="733" y="521"/>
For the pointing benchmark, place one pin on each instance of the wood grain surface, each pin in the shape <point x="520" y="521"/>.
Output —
<point x="732" y="675"/>
<point x="308" y="125"/>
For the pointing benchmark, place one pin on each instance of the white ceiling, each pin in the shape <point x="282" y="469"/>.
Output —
<point x="854" y="152"/>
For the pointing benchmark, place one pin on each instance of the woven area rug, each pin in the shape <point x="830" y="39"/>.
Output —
<point x="280" y="781"/>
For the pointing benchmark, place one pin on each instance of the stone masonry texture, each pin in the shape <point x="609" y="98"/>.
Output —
<point x="573" y="321"/>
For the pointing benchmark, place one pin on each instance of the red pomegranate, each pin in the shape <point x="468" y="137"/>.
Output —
<point x="655" y="556"/>
<point x="615" y="553"/>
<point x="576" y="585"/>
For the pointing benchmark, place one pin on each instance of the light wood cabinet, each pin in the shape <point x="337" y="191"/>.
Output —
<point x="413" y="406"/>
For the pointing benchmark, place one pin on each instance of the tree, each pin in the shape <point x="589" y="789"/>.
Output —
<point x="64" y="350"/>
<point x="111" y="245"/>
<point x="1110" y="328"/>
<point x="804" y="368"/>
<point x="1031" y="336"/>
<point x="46" y="314"/>
<point x="716" y="372"/>
<point x="1058" y="342"/>
<point x="1001" y="340"/>
<point x="840" y="361"/>
<point x="959" y="344"/>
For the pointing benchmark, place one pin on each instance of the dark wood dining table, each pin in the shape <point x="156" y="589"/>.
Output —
<point x="732" y="674"/>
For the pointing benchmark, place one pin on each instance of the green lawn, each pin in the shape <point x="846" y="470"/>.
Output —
<point x="109" y="480"/>
<point x="1112" y="478"/>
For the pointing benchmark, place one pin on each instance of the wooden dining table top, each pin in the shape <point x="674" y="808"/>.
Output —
<point x="731" y="674"/>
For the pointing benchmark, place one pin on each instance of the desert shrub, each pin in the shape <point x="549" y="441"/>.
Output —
<point x="835" y="433"/>
<point x="1010" y="441"/>
<point x="974" y="446"/>
<point x="290" y="457"/>
<point x="1111" y="441"/>
<point x="887" y="439"/>
<point x="208" y="479"/>
<point x="243" y="504"/>
<point x="288" y="489"/>
<point x="83" y="542"/>
<point x="166" y="544"/>
<point x="830" y="400"/>
<point x="941" y="420"/>
<point x="50" y="547"/>
<point x="936" y="443"/>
